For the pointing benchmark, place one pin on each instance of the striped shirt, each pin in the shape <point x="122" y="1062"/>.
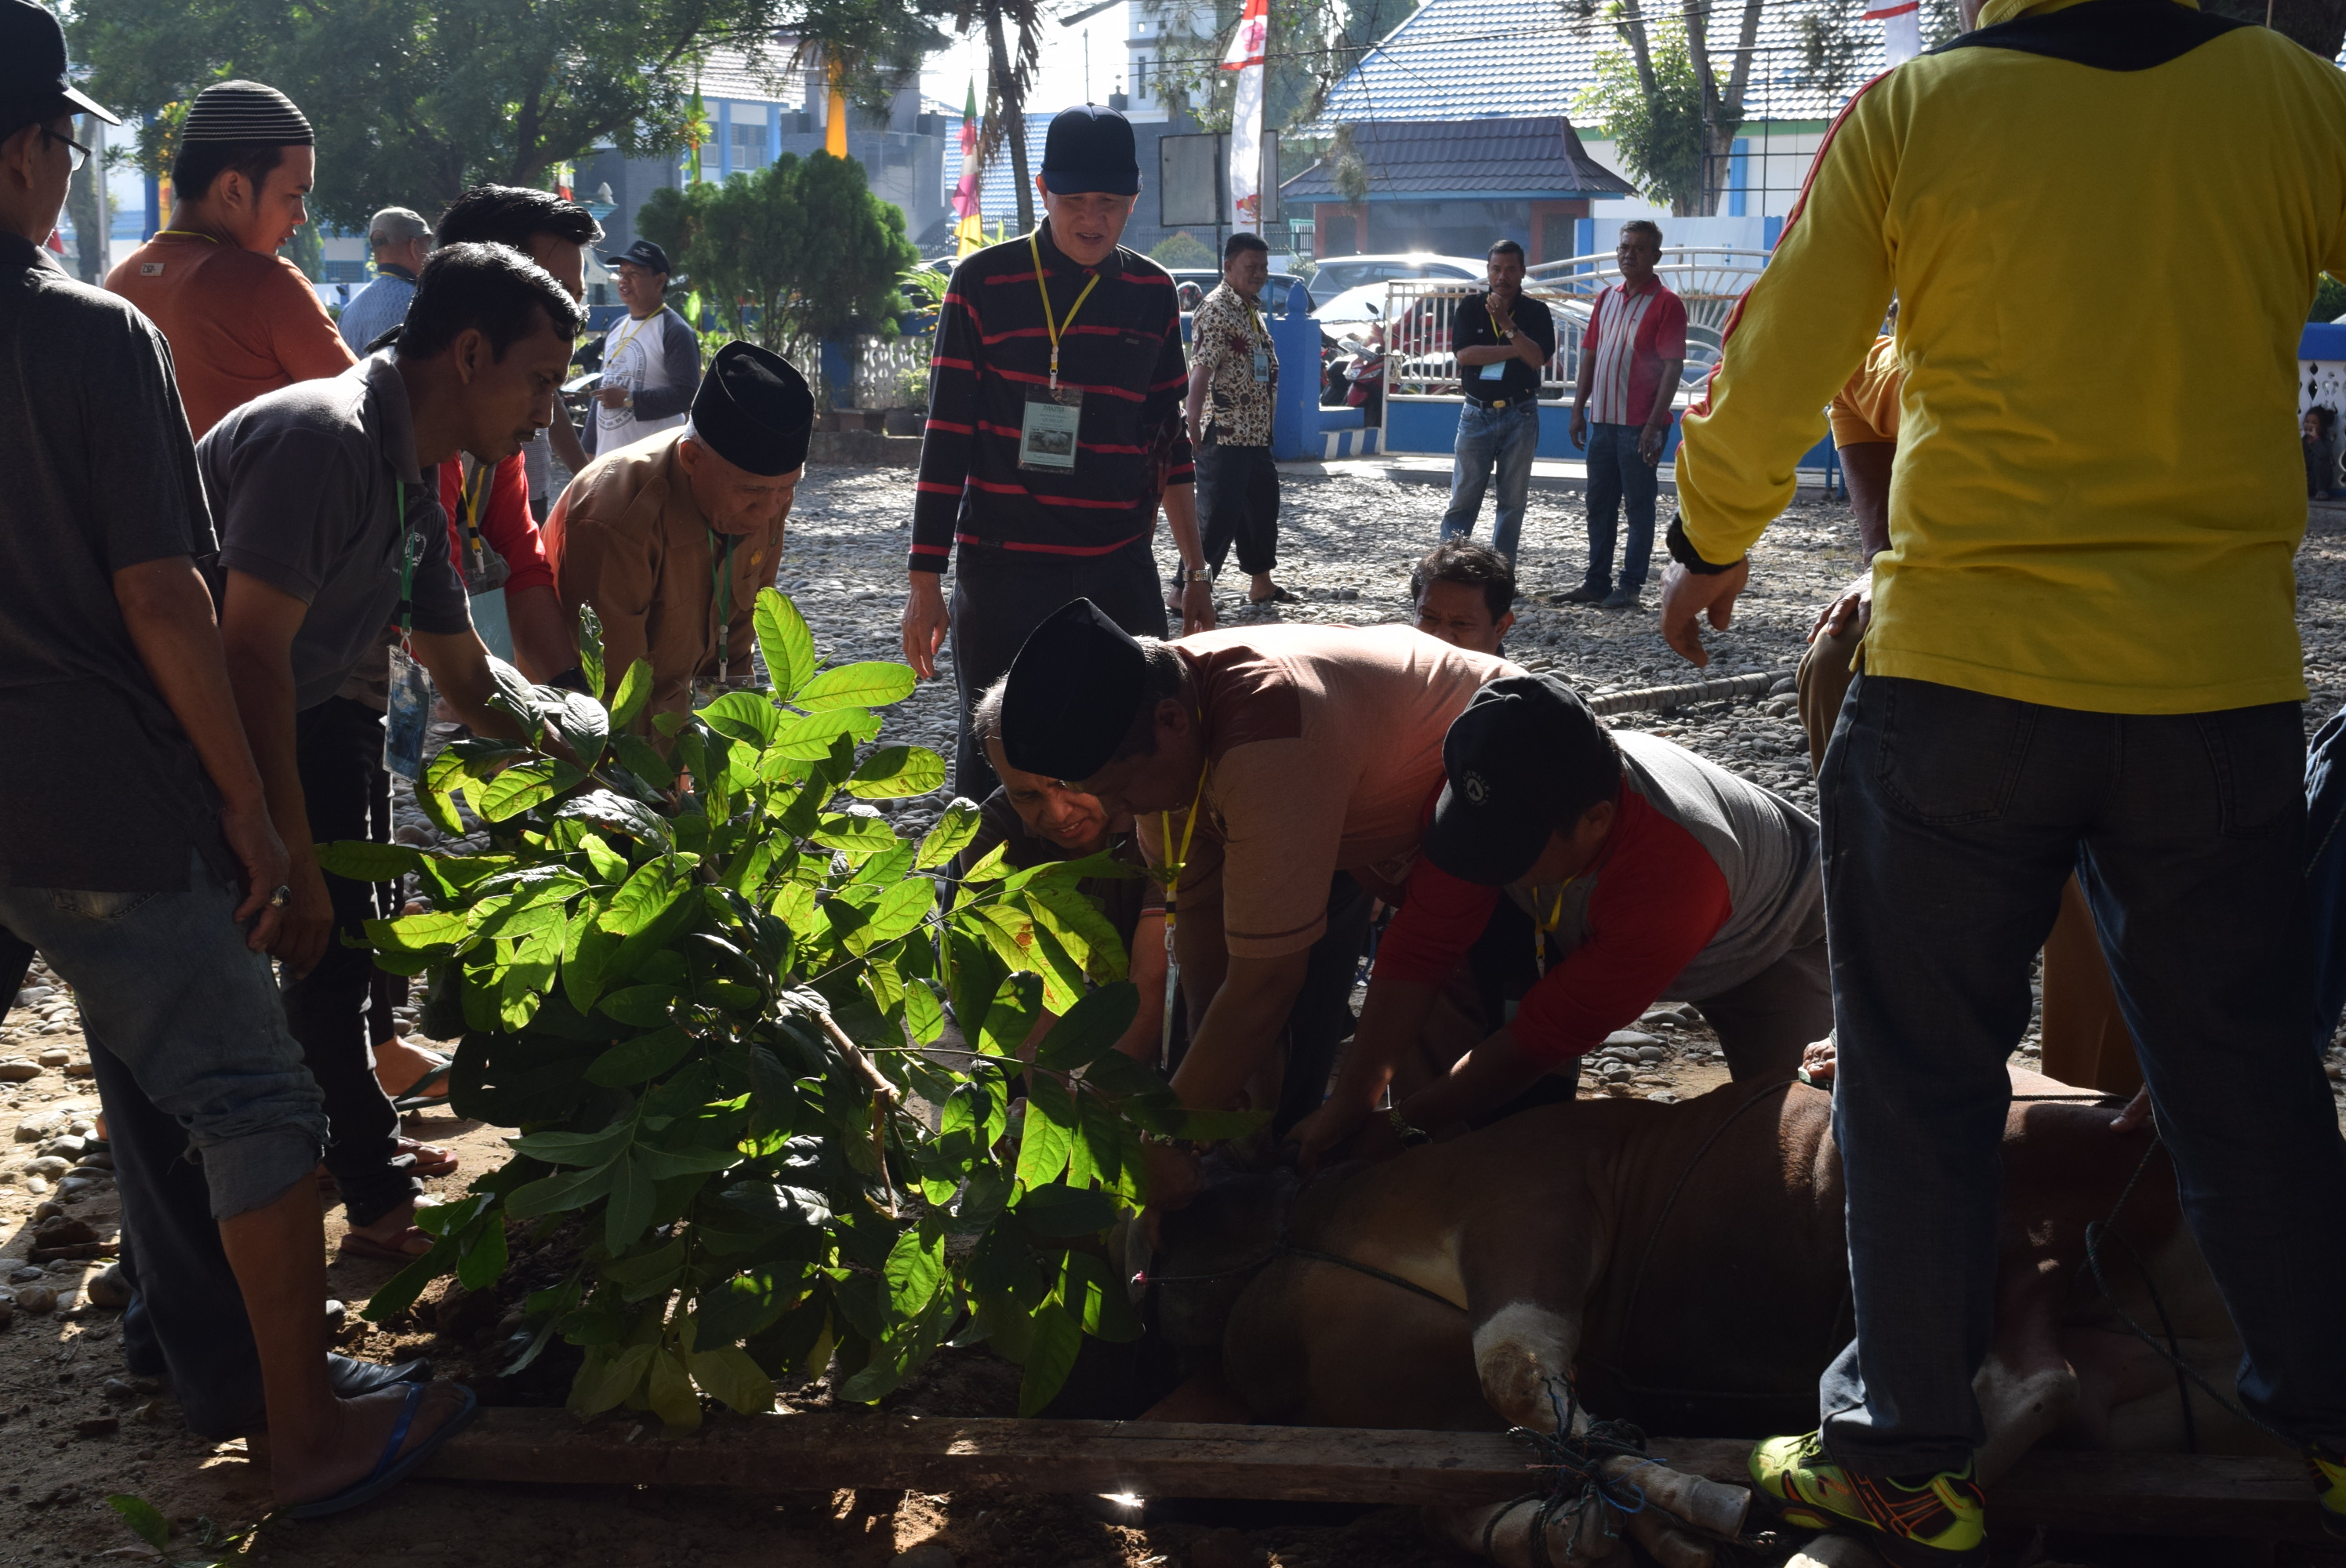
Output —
<point x="1122" y="352"/>
<point x="1631" y="335"/>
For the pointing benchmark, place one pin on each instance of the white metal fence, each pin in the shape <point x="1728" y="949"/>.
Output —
<point x="1421" y="312"/>
<point x="892" y="373"/>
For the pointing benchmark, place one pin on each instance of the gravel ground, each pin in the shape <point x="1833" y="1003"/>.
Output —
<point x="77" y="1426"/>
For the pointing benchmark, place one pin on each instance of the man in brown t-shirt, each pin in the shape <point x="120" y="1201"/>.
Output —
<point x="241" y="321"/>
<point x="1308" y="752"/>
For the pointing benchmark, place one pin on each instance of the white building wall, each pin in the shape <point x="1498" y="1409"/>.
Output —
<point x="1775" y="161"/>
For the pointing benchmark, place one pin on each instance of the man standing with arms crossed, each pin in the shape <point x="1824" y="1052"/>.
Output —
<point x="1231" y="357"/>
<point x="1501" y="344"/>
<point x="2083" y="658"/>
<point x="1630" y="358"/>
<point x="400" y="239"/>
<point x="1055" y="429"/>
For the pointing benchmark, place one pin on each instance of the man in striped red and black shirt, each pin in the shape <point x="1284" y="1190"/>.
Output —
<point x="1055" y="431"/>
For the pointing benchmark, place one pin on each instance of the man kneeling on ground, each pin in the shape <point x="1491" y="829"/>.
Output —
<point x="1034" y="821"/>
<point x="1632" y="872"/>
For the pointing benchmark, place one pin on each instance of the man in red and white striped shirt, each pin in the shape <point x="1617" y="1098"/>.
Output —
<point x="1630" y="358"/>
<point x="1055" y="429"/>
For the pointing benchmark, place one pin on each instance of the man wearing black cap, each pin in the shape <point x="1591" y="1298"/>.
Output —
<point x="1055" y="431"/>
<point x="671" y="538"/>
<point x="1645" y="874"/>
<point x="652" y="358"/>
<point x="1283" y="771"/>
<point x="241" y="319"/>
<point x="152" y="882"/>
<point x="330" y="530"/>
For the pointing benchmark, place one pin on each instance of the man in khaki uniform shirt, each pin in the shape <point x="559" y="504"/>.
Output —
<point x="671" y="538"/>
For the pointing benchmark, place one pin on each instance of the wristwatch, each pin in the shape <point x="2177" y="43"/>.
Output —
<point x="1183" y="574"/>
<point x="1408" y="1134"/>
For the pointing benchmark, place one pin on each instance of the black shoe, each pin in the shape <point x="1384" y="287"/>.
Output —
<point x="1586" y="593"/>
<point x="1621" y="599"/>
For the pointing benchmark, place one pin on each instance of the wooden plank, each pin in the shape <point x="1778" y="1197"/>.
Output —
<point x="2156" y="1494"/>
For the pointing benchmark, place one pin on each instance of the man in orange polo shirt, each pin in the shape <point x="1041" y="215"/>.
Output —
<point x="241" y="321"/>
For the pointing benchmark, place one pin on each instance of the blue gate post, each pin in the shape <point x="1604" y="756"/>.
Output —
<point x="838" y="374"/>
<point x="1295" y="417"/>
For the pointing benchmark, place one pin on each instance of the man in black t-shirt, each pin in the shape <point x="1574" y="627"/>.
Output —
<point x="1501" y="340"/>
<point x="139" y="856"/>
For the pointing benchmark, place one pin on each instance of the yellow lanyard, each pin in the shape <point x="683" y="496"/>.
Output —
<point x="1055" y="327"/>
<point x="1174" y="868"/>
<point x="470" y="501"/>
<point x="1497" y="330"/>
<point x="1543" y="928"/>
<point x="184" y="234"/>
<point x="621" y="346"/>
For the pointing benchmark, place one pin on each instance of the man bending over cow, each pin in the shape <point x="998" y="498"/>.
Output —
<point x="1636" y="871"/>
<point x="1279" y="775"/>
<point x="1036" y="820"/>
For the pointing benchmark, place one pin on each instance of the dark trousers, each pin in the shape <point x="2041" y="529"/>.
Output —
<point x="2325" y="874"/>
<point x="1951" y="820"/>
<point x="1322" y="1019"/>
<point x="1238" y="501"/>
<point x="1000" y="595"/>
<point x="338" y="748"/>
<point x="1618" y="478"/>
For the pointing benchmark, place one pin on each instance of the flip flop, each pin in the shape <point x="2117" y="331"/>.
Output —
<point x="394" y="1467"/>
<point x="430" y="1160"/>
<point x="358" y="1245"/>
<point x="418" y="1095"/>
<point x="1275" y="597"/>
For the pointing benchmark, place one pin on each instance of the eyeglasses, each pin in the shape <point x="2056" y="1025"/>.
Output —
<point x="80" y="153"/>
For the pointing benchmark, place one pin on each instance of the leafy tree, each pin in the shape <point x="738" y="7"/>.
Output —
<point x="710" y="987"/>
<point x="797" y="251"/>
<point x="2329" y="299"/>
<point x="1309" y="50"/>
<point x="415" y="99"/>
<point x="1650" y="102"/>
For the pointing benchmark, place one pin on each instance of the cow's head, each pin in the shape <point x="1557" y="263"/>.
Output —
<point x="1209" y="1252"/>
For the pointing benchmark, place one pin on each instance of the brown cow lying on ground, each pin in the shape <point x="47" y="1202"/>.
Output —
<point x="1683" y="1268"/>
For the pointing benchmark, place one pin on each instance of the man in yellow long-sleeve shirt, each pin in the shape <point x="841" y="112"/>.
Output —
<point x="2083" y="657"/>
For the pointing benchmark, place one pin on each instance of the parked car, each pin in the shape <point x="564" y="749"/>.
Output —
<point x="1333" y="275"/>
<point x="1205" y="280"/>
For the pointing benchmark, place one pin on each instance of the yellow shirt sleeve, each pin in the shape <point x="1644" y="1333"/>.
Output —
<point x="1791" y="341"/>
<point x="1866" y="411"/>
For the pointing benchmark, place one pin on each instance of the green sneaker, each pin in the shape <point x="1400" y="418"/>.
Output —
<point x="1939" y="1522"/>
<point x="2330" y="1490"/>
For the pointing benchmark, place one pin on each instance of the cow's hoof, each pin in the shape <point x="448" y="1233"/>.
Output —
<point x="1836" y="1552"/>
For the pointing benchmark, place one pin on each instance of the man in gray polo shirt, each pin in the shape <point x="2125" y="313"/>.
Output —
<point x="323" y="489"/>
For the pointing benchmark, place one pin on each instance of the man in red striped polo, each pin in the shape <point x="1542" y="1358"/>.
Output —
<point x="1055" y="431"/>
<point x="1630" y="358"/>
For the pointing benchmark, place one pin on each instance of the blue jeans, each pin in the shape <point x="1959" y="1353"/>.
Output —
<point x="1951" y="820"/>
<point x="1507" y="438"/>
<point x="1616" y="475"/>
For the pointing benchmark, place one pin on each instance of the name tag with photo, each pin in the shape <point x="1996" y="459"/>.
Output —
<point x="1046" y="435"/>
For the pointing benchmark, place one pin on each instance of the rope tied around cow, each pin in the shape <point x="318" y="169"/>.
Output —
<point x="1576" y="1482"/>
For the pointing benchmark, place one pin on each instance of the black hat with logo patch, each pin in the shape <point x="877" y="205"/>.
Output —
<point x="33" y="86"/>
<point x="1525" y="757"/>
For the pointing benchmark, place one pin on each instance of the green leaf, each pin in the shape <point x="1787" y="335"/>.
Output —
<point x="514" y="698"/>
<point x="957" y="827"/>
<point x="636" y="1060"/>
<point x="604" y="1382"/>
<point x="1096" y="1298"/>
<point x="785" y="639"/>
<point x="585" y="725"/>
<point x="554" y="1195"/>
<point x="484" y="1260"/>
<point x="516" y="790"/>
<point x="1060" y="1210"/>
<point x="645" y="1006"/>
<point x="631" y="1203"/>
<point x="363" y="861"/>
<point x="644" y="897"/>
<point x="809" y="739"/>
<point x="1072" y="915"/>
<point x="874" y="683"/>
<point x="435" y="931"/>
<point x="635" y="691"/>
<point x="575" y="1148"/>
<point x="744" y="715"/>
<point x="609" y="865"/>
<point x="900" y="911"/>
<point x="923" y="1015"/>
<point x="145" y="1520"/>
<point x="728" y="1375"/>
<point x="893" y="772"/>
<point x="856" y="835"/>
<point x="642" y="758"/>
<point x="590" y="650"/>
<point x="1050" y="1357"/>
<point x="1090" y="1028"/>
<point x="1050" y="1134"/>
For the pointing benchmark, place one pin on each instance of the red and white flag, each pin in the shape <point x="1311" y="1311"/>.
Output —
<point x="1901" y="30"/>
<point x="1249" y="46"/>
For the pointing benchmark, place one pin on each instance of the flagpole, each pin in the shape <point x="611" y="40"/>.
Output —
<point x="1247" y="47"/>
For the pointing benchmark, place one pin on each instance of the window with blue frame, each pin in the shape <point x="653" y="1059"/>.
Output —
<point x="749" y="147"/>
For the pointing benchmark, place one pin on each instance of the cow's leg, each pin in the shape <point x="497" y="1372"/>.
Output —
<point x="1836" y="1552"/>
<point x="1527" y="1279"/>
<point x="2027" y="1388"/>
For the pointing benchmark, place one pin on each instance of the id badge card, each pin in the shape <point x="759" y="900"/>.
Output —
<point x="409" y="717"/>
<point x="1263" y="364"/>
<point x="1046" y="437"/>
<point x="1496" y="371"/>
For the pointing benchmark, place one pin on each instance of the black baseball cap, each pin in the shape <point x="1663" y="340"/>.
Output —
<point x="754" y="410"/>
<point x="33" y="81"/>
<point x="643" y="253"/>
<point x="1090" y="148"/>
<point x="1074" y="688"/>
<point x="1524" y="757"/>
